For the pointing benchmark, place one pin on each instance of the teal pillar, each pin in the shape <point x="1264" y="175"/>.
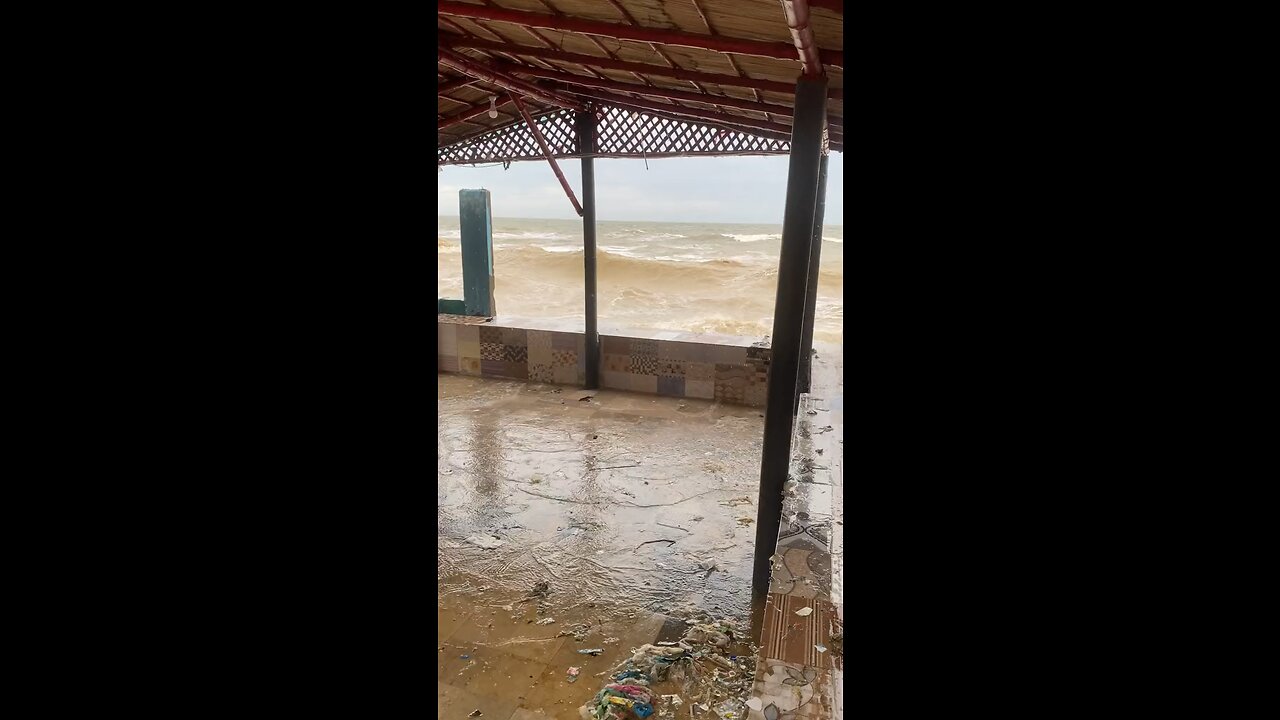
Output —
<point x="476" y="222"/>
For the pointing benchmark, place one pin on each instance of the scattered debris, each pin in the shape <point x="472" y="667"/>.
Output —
<point x="465" y="657"/>
<point x="820" y="648"/>
<point x="572" y="674"/>
<point x="485" y="541"/>
<point x="585" y="398"/>
<point x="592" y="652"/>
<point x="674" y="527"/>
<point x="828" y="428"/>
<point x="745" y="521"/>
<point x="804" y="612"/>
<point x="646" y="542"/>
<point x="545" y="621"/>
<point x="812" y="412"/>
<point x="475" y="713"/>
<point x="539" y="589"/>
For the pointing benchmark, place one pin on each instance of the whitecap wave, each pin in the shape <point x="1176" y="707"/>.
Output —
<point x="752" y="238"/>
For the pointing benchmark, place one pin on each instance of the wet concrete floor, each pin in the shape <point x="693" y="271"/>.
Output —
<point x="636" y="511"/>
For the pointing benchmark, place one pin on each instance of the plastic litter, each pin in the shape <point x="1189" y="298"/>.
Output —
<point x="804" y="612"/>
<point x="545" y="621"/>
<point x="475" y="713"/>
<point x="592" y="651"/>
<point x="572" y="674"/>
<point x="820" y="648"/>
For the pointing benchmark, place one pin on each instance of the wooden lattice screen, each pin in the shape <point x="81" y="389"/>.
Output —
<point x="620" y="133"/>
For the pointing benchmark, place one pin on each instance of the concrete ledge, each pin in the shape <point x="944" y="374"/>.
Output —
<point x="729" y="369"/>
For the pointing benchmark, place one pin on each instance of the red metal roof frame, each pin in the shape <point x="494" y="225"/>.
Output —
<point x="549" y="60"/>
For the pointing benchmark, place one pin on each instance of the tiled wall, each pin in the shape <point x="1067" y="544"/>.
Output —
<point x="733" y="374"/>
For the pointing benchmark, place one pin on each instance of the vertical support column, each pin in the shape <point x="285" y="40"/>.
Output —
<point x="811" y="287"/>
<point x="586" y="145"/>
<point x="475" y="220"/>
<point x="788" y="316"/>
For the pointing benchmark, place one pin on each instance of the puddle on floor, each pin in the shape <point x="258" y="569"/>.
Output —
<point x="627" y="506"/>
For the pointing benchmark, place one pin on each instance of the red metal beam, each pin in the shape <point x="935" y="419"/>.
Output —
<point x="448" y="87"/>
<point x="546" y="151"/>
<point x="475" y="69"/>
<point x="631" y="67"/>
<point x="758" y="48"/>
<point x="797" y="12"/>
<point x="705" y="99"/>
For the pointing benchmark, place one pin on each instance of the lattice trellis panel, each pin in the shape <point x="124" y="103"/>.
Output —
<point x="620" y="133"/>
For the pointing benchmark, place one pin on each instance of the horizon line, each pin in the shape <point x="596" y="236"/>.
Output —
<point x="689" y="222"/>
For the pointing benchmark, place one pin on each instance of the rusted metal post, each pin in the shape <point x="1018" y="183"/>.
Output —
<point x="546" y="152"/>
<point x="788" y="314"/>
<point x="811" y="287"/>
<point x="586" y="122"/>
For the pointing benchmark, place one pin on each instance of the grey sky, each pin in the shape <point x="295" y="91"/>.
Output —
<point x="718" y="189"/>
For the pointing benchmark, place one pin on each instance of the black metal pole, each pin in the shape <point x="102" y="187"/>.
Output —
<point x="788" y="314"/>
<point x="587" y="145"/>
<point x="811" y="286"/>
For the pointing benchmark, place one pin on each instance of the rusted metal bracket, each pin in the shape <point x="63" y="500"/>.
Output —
<point x="546" y="152"/>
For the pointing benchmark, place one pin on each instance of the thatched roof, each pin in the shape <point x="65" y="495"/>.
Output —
<point x="730" y="64"/>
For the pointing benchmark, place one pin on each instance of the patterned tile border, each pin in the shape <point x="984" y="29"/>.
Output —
<point x="679" y="367"/>
<point x="794" y="678"/>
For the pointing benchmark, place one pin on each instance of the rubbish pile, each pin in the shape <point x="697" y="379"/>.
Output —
<point x="699" y="663"/>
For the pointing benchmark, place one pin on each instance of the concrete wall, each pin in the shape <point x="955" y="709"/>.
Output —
<point x="679" y="365"/>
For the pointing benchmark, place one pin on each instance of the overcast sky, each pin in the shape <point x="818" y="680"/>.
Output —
<point x="716" y="189"/>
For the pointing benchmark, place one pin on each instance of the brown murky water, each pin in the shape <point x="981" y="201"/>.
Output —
<point x="638" y="512"/>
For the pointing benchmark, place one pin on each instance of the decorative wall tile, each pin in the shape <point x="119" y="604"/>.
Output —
<point x="468" y="341"/>
<point x="644" y="384"/>
<point x="731" y="381"/>
<point x="447" y="339"/>
<point x="704" y="389"/>
<point x="678" y="366"/>
<point x="644" y="365"/>
<point x="700" y="370"/>
<point x="672" y="386"/>
<point x="644" y="348"/>
<point x="674" y="351"/>
<point x="671" y="368"/>
<point x="515" y="336"/>
<point x="613" y="345"/>
<point x="540" y="372"/>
